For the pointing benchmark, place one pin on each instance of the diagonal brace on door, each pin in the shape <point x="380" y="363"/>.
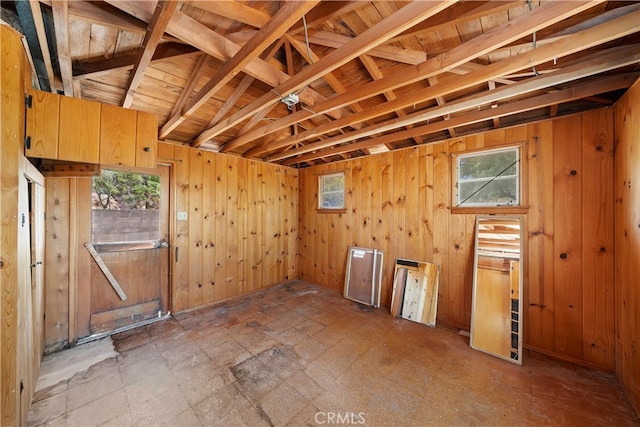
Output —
<point x="112" y="280"/>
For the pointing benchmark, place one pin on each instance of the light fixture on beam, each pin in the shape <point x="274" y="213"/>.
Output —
<point x="290" y="100"/>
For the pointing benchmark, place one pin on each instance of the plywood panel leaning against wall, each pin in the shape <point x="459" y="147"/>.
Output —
<point x="627" y="242"/>
<point x="566" y="172"/>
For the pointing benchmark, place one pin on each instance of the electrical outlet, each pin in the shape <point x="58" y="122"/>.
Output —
<point x="182" y="216"/>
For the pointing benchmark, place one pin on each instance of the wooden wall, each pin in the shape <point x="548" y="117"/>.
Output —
<point x="67" y="262"/>
<point x="240" y="234"/>
<point x="627" y="242"/>
<point x="241" y="229"/>
<point x="21" y="232"/>
<point x="399" y="202"/>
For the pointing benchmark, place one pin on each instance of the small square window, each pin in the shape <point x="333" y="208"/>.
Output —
<point x="488" y="178"/>
<point x="331" y="191"/>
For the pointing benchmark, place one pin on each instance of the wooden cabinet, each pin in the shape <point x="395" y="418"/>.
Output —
<point x="117" y="136"/>
<point x="79" y="130"/>
<point x="42" y="125"/>
<point x="76" y="130"/>
<point x="146" y="140"/>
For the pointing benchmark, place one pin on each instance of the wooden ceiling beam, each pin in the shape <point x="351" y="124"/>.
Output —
<point x="499" y="36"/>
<point x="61" y="23"/>
<point x="196" y="75"/>
<point x="286" y="16"/>
<point x="375" y="73"/>
<point x="601" y="85"/>
<point x="260" y="115"/>
<point x="461" y="12"/>
<point x="386" y="51"/>
<point x="326" y="11"/>
<point x="433" y="80"/>
<point x="372" y="37"/>
<point x="598" y="63"/>
<point x="331" y="80"/>
<point x="27" y="16"/>
<point x="199" y="35"/>
<point x="161" y="17"/>
<point x="86" y="70"/>
<point x="233" y="10"/>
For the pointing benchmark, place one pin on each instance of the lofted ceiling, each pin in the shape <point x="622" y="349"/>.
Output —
<point x="361" y="76"/>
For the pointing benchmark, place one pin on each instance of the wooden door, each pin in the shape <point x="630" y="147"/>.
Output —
<point x="139" y="268"/>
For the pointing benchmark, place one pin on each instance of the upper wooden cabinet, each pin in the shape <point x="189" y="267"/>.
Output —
<point x="79" y="130"/>
<point x="76" y="130"/>
<point x="146" y="140"/>
<point x="117" y="136"/>
<point x="42" y="125"/>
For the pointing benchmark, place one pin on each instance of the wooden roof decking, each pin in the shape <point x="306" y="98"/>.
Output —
<point x="370" y="76"/>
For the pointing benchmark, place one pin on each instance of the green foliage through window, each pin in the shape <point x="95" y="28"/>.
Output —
<point x="126" y="190"/>
<point x="488" y="178"/>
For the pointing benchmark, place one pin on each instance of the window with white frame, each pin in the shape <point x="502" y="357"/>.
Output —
<point x="331" y="191"/>
<point x="488" y="178"/>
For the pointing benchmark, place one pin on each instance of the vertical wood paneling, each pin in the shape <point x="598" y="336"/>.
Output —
<point x="306" y="214"/>
<point x="567" y="243"/>
<point x="11" y="141"/>
<point x="254" y="224"/>
<point x="322" y="242"/>
<point x="539" y="326"/>
<point x="425" y="203"/>
<point x="271" y="219"/>
<point x="291" y="230"/>
<point x="180" y="257"/>
<point x="376" y="208"/>
<point x="231" y="282"/>
<point x="57" y="263"/>
<point x="442" y="197"/>
<point x="83" y="258"/>
<point x="459" y="291"/>
<point x="362" y="224"/>
<point x="346" y="224"/>
<point x="597" y="238"/>
<point x="399" y="203"/>
<point x="627" y="242"/>
<point x="208" y="226"/>
<point x="281" y="209"/>
<point x="242" y="213"/>
<point x="412" y="208"/>
<point x="196" y="296"/>
<point x="410" y="201"/>
<point x="386" y="229"/>
<point x="220" y="201"/>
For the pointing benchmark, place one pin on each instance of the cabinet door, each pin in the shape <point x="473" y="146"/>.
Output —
<point x="79" y="131"/>
<point x="117" y="136"/>
<point x="146" y="140"/>
<point x="42" y="125"/>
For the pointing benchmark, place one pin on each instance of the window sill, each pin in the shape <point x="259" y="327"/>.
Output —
<point x="490" y="210"/>
<point x="331" y="211"/>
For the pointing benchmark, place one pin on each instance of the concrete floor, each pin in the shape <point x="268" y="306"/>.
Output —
<point x="298" y="354"/>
